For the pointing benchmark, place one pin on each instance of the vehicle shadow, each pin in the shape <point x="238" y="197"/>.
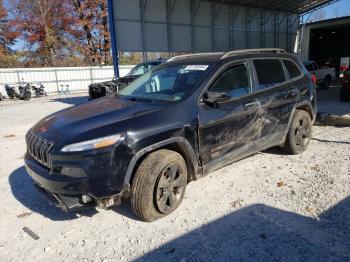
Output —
<point x="262" y="233"/>
<point x="76" y="100"/>
<point x="22" y="188"/>
<point x="331" y="141"/>
<point x="125" y="210"/>
<point x="277" y="150"/>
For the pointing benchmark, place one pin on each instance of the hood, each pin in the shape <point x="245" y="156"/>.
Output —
<point x="113" y="83"/>
<point x="126" y="79"/>
<point x="82" y="120"/>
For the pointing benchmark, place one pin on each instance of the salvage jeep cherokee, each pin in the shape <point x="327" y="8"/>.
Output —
<point x="176" y="123"/>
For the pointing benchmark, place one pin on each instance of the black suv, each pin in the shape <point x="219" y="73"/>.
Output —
<point x="97" y="90"/>
<point x="176" y="123"/>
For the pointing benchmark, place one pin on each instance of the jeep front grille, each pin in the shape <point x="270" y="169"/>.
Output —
<point x="39" y="148"/>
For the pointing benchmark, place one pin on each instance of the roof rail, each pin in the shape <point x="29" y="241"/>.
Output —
<point x="259" y="50"/>
<point x="188" y="55"/>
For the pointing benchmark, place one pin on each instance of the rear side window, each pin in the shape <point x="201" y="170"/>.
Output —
<point x="292" y="69"/>
<point x="270" y="72"/>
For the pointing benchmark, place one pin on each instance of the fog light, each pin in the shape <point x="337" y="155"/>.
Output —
<point x="86" y="199"/>
<point x="73" y="172"/>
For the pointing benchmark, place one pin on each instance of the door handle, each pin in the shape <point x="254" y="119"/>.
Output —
<point x="250" y="104"/>
<point x="293" y="94"/>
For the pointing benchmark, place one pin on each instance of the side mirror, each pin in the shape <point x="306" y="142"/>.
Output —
<point x="216" y="96"/>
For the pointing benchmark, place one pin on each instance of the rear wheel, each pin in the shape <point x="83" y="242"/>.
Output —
<point x="159" y="185"/>
<point x="299" y="135"/>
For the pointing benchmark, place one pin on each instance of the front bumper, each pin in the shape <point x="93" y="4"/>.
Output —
<point x="73" y="179"/>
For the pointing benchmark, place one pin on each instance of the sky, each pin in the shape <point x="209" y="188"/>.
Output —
<point x="340" y="8"/>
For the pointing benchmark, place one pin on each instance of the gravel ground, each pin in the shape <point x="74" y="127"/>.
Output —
<point x="268" y="207"/>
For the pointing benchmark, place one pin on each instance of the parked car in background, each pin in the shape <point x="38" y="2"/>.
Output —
<point x="345" y="89"/>
<point x="344" y="65"/>
<point x="323" y="75"/>
<point x="174" y="124"/>
<point x="97" y="90"/>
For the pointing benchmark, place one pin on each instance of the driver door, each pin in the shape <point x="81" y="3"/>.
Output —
<point x="229" y="130"/>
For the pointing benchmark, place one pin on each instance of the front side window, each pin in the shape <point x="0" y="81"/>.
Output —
<point x="270" y="72"/>
<point x="292" y="69"/>
<point x="234" y="81"/>
<point x="169" y="83"/>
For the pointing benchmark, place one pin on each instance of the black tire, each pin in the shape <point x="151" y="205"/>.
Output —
<point x="299" y="135"/>
<point x="326" y="82"/>
<point x="159" y="185"/>
<point x="27" y="96"/>
<point x="344" y="95"/>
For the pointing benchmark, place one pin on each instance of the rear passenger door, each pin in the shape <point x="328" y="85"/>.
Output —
<point x="277" y="96"/>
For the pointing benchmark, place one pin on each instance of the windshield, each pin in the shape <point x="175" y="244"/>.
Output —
<point x="172" y="83"/>
<point x="142" y="68"/>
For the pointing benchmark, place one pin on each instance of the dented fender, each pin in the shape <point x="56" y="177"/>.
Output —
<point x="175" y="140"/>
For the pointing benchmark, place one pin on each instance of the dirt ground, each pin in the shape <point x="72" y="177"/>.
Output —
<point x="268" y="207"/>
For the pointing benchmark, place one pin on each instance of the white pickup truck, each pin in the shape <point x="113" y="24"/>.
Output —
<point x="324" y="75"/>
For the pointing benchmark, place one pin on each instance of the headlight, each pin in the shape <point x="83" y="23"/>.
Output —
<point x="92" y="144"/>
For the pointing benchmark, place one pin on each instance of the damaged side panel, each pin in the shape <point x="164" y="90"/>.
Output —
<point x="230" y="129"/>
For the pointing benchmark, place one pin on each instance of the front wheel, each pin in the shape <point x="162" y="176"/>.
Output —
<point x="159" y="185"/>
<point x="299" y="135"/>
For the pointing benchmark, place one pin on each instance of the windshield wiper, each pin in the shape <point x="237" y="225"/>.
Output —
<point x="140" y="99"/>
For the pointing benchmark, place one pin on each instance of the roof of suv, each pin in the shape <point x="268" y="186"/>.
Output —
<point x="217" y="56"/>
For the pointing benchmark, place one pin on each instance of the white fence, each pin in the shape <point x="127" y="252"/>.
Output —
<point x="55" y="79"/>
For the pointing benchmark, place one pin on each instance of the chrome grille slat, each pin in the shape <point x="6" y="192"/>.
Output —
<point x="39" y="148"/>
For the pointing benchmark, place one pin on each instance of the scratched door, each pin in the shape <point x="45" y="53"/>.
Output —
<point x="229" y="130"/>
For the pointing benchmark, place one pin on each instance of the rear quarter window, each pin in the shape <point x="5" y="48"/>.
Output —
<point x="292" y="68"/>
<point x="270" y="72"/>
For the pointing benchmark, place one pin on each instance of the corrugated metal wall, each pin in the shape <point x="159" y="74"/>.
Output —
<point x="199" y="26"/>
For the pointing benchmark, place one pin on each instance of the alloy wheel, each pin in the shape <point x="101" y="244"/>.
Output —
<point x="170" y="185"/>
<point x="302" y="133"/>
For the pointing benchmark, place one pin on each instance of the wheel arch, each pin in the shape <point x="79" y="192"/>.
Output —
<point x="329" y="76"/>
<point x="177" y="144"/>
<point x="305" y="106"/>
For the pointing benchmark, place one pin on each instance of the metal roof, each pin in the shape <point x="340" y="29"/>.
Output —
<point x="289" y="6"/>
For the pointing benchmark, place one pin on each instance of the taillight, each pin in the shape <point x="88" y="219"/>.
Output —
<point x="313" y="78"/>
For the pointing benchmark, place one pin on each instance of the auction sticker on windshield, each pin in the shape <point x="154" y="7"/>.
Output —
<point x="197" y="67"/>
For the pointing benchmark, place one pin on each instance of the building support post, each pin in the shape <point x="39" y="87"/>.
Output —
<point x="262" y="29"/>
<point x="170" y="4"/>
<point x="215" y="12"/>
<point x="195" y="4"/>
<point x="247" y="27"/>
<point x="112" y="30"/>
<point x="276" y="31"/>
<point x="142" y="9"/>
